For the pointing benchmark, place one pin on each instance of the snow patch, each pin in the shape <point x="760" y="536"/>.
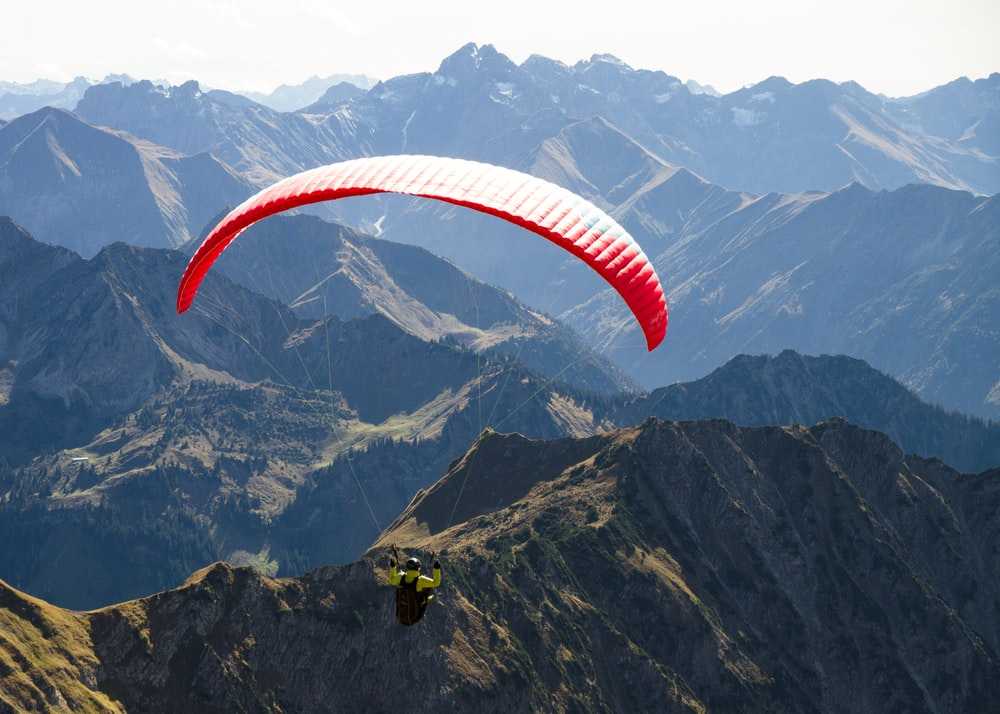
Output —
<point x="503" y="93"/>
<point x="763" y="97"/>
<point x="994" y="395"/>
<point x="609" y="59"/>
<point x="747" y="117"/>
<point x="769" y="291"/>
<point x="406" y="129"/>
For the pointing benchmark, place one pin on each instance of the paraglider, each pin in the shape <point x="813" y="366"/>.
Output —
<point x="567" y="220"/>
<point x="413" y="590"/>
<point x="559" y="215"/>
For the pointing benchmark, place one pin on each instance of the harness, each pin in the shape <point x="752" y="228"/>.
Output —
<point x="410" y="603"/>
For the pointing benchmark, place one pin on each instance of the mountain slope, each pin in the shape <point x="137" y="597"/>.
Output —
<point x="49" y="663"/>
<point x="901" y="279"/>
<point x="752" y="569"/>
<point x="101" y="337"/>
<point x="317" y="269"/>
<point x="964" y="111"/>
<point x="84" y="187"/>
<point x="688" y="567"/>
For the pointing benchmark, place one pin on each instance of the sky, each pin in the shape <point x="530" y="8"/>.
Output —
<point x="895" y="47"/>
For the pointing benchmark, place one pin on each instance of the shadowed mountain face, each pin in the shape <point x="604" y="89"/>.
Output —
<point x="688" y="567"/>
<point x="83" y="187"/>
<point x="101" y="336"/>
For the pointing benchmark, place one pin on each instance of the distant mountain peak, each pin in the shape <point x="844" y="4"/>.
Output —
<point x="854" y="188"/>
<point x="42" y="115"/>
<point x="609" y="59"/>
<point x="335" y="95"/>
<point x="12" y="234"/>
<point x="115" y="252"/>
<point x="772" y="83"/>
<point x="471" y="59"/>
<point x="698" y="88"/>
<point x="687" y="177"/>
<point x="189" y="87"/>
<point x="542" y="60"/>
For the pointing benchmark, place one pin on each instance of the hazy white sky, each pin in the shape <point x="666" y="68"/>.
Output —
<point x="897" y="47"/>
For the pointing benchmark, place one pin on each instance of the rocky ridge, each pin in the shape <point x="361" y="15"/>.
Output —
<point x="675" y="566"/>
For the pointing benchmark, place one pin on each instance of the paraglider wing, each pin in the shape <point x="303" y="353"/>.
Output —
<point x="569" y="221"/>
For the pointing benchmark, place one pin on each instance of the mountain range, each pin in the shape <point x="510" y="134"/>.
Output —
<point x="670" y="567"/>
<point x="260" y="143"/>
<point x="902" y="278"/>
<point x="17" y="99"/>
<point x="290" y="97"/>
<point x="745" y="273"/>
<point x="733" y="259"/>
<point x="773" y="136"/>
<point x="248" y="429"/>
